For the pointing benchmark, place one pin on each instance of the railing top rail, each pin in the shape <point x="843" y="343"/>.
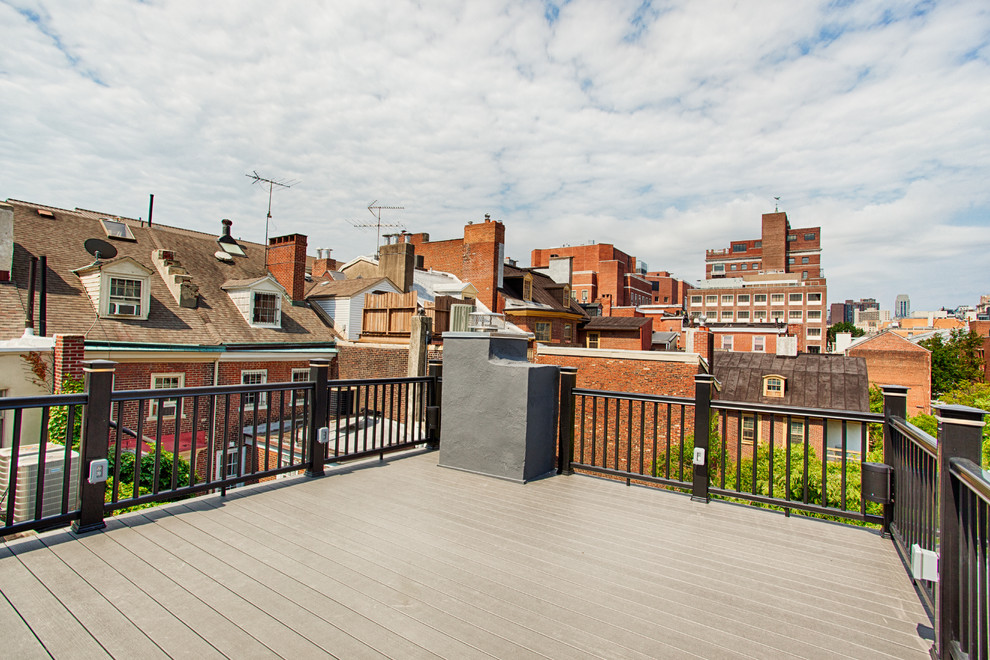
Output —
<point x="14" y="402"/>
<point x="634" y="396"/>
<point x="919" y="437"/>
<point x="969" y="473"/>
<point x="794" y="411"/>
<point x="352" y="382"/>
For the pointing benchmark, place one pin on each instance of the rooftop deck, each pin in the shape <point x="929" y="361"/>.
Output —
<point x="404" y="559"/>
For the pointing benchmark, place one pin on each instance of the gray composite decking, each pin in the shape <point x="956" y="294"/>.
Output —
<point x="404" y="559"/>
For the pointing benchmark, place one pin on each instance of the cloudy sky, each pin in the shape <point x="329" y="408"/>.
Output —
<point x="663" y="127"/>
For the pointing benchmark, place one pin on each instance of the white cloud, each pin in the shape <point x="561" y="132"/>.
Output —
<point x="663" y="129"/>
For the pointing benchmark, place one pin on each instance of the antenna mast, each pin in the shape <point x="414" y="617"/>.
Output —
<point x="257" y="178"/>
<point x="376" y="210"/>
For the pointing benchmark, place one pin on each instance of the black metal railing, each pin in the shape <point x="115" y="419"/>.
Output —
<point x="802" y="459"/>
<point x="162" y="445"/>
<point x="913" y="455"/>
<point x="632" y="436"/>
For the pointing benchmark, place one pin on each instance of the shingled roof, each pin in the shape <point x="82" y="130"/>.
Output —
<point x="215" y="320"/>
<point x="834" y="382"/>
<point x="630" y="323"/>
<point x="547" y="294"/>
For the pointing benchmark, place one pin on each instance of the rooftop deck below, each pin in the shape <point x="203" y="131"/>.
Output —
<point x="404" y="559"/>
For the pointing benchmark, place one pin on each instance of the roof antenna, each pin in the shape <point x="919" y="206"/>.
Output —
<point x="376" y="210"/>
<point x="776" y="202"/>
<point x="257" y="178"/>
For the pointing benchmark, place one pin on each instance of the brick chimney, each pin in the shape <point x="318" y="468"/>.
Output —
<point x="396" y="262"/>
<point x="774" y="241"/>
<point x="323" y="264"/>
<point x="483" y="258"/>
<point x="287" y="263"/>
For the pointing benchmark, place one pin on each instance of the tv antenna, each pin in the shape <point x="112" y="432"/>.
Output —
<point x="257" y="178"/>
<point x="376" y="210"/>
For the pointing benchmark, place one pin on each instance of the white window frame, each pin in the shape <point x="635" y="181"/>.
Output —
<point x="814" y="333"/>
<point x="742" y="299"/>
<point x="247" y="399"/>
<point x="774" y="386"/>
<point x="176" y="402"/>
<point x="747" y="430"/>
<point x="742" y="315"/>
<point x="814" y="315"/>
<point x="711" y="300"/>
<point x="727" y="315"/>
<point x="727" y="342"/>
<point x="759" y="344"/>
<point x="795" y="315"/>
<point x="277" y="323"/>
<point x="728" y="299"/>
<point x="697" y="300"/>
<point x="776" y="299"/>
<point x="795" y="298"/>
<point x="300" y="375"/>
<point x="757" y="299"/>
<point x="814" y="297"/>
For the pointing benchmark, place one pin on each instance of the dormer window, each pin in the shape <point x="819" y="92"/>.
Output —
<point x="259" y="300"/>
<point x="117" y="229"/>
<point x="119" y="289"/>
<point x="773" y="386"/>
<point x="528" y="288"/>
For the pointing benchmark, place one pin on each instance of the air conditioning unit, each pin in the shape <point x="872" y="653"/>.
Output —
<point x="460" y="317"/>
<point x="125" y="309"/>
<point x="27" y="481"/>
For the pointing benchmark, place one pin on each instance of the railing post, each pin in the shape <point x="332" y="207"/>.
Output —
<point x="894" y="405"/>
<point x="435" y="371"/>
<point x="565" y="427"/>
<point x="319" y="371"/>
<point x="959" y="431"/>
<point x="94" y="443"/>
<point x="702" y="424"/>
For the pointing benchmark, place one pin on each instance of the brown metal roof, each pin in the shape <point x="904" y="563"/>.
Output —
<point x="616" y="323"/>
<point x="545" y="290"/>
<point x="834" y="382"/>
<point x="344" y="288"/>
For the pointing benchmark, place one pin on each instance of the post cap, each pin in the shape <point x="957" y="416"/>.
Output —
<point x="953" y="413"/>
<point x="96" y="366"/>
<point x="319" y="362"/>
<point x="894" y="390"/>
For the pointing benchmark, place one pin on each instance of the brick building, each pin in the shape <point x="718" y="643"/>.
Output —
<point x="894" y="360"/>
<point x="631" y="333"/>
<point x="601" y="274"/>
<point x="669" y="293"/>
<point x="776" y="278"/>
<point x="536" y="303"/>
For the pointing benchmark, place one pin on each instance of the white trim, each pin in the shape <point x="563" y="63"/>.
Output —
<point x="960" y="422"/>
<point x="654" y="356"/>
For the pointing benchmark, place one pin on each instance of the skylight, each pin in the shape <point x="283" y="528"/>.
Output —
<point x="117" y="229"/>
<point x="230" y="246"/>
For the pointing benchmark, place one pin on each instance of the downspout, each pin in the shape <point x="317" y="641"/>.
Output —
<point x="43" y="298"/>
<point x="29" y="321"/>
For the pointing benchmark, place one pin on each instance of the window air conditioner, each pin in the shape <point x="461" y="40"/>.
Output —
<point x="27" y="481"/>
<point x="124" y="309"/>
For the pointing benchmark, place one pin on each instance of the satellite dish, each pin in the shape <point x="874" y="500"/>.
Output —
<point x="100" y="248"/>
<point x="223" y="256"/>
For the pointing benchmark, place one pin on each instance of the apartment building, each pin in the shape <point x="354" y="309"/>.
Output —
<point x="776" y="278"/>
<point x="601" y="274"/>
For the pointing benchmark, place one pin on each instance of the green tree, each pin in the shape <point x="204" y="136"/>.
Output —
<point x="975" y="395"/>
<point x="842" y="326"/>
<point x="58" y="416"/>
<point x="955" y="360"/>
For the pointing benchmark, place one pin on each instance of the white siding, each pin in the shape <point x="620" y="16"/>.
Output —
<point x="91" y="282"/>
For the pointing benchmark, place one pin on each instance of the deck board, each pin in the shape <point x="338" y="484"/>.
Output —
<point x="404" y="559"/>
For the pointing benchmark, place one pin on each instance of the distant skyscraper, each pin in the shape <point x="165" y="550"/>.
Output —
<point x="902" y="306"/>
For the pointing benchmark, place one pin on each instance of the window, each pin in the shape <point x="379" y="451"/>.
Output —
<point x="777" y="315"/>
<point x="790" y="261"/>
<point x="300" y="376"/>
<point x="254" y="377"/>
<point x="169" y="407"/>
<point x="795" y="298"/>
<point x="758" y="244"/>
<point x="814" y="332"/>
<point x="528" y="287"/>
<point x="760" y="299"/>
<point x="726" y="342"/>
<point x="748" y="429"/>
<point x="809" y="237"/>
<point x="125" y="297"/>
<point x="814" y="349"/>
<point x="568" y="333"/>
<point x="805" y="260"/>
<point x="542" y="331"/>
<point x="727" y="300"/>
<point x="796" y="435"/>
<point x="773" y="386"/>
<point x="711" y="300"/>
<point x="732" y="267"/>
<point x="743" y="298"/>
<point x="584" y="295"/>
<point x="777" y="298"/>
<point x="743" y="315"/>
<point x="814" y="315"/>
<point x="726" y="315"/>
<point x="573" y="294"/>
<point x="117" y="229"/>
<point x="743" y="266"/>
<point x="759" y="344"/>
<point x="791" y="237"/>
<point x="695" y="300"/>
<point x="794" y="315"/>
<point x="566" y="298"/>
<point x="804" y="275"/>
<point x="814" y="297"/>
<point x="738" y="247"/>
<point x="760" y="315"/>
<point x="265" y="308"/>
<point x="718" y="269"/>
<point x="592" y="340"/>
<point x="756" y="266"/>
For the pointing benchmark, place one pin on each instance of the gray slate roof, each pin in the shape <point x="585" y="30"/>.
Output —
<point x="835" y="382"/>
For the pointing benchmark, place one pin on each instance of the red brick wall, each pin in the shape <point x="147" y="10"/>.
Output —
<point x="774" y="241"/>
<point x="69" y="355"/>
<point x="629" y="374"/>
<point x="891" y="360"/>
<point x="528" y="323"/>
<point x="287" y="263"/>
<point x="474" y="259"/>
<point x="356" y="361"/>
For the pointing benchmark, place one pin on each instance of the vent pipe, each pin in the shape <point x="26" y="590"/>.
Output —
<point x="151" y="207"/>
<point x="29" y="321"/>
<point x="226" y="229"/>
